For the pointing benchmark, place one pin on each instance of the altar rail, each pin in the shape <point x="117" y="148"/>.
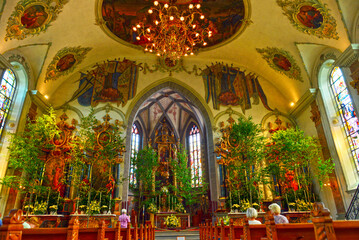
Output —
<point x="13" y="229"/>
<point x="323" y="227"/>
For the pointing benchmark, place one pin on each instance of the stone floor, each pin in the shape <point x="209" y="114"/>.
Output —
<point x="172" y="235"/>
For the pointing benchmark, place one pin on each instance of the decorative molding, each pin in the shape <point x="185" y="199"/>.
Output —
<point x="31" y="17"/>
<point x="277" y="113"/>
<point x="39" y="100"/>
<point x="349" y="56"/>
<point x="66" y="107"/>
<point x="278" y="60"/>
<point x="308" y="97"/>
<point x="321" y="24"/>
<point x="228" y="112"/>
<point x="107" y="108"/>
<point x="69" y="58"/>
<point x="20" y="59"/>
<point x="169" y="65"/>
<point x="4" y="63"/>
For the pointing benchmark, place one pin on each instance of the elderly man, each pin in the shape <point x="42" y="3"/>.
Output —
<point x="124" y="219"/>
<point x="275" y="210"/>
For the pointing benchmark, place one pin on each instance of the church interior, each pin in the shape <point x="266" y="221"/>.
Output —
<point x="135" y="104"/>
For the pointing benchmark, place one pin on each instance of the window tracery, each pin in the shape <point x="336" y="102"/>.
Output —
<point x="194" y="141"/>
<point x="346" y="111"/>
<point x="8" y="86"/>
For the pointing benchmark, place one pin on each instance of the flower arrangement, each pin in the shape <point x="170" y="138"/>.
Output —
<point x="245" y="204"/>
<point x="40" y="208"/>
<point x="104" y="208"/>
<point x="29" y="208"/>
<point x="303" y="206"/>
<point x="152" y="208"/>
<point x="236" y="207"/>
<point x="225" y="220"/>
<point x="94" y="208"/>
<point x="291" y="206"/>
<point x="82" y="208"/>
<point x="256" y="206"/>
<point x="172" y="221"/>
<point x="53" y="208"/>
<point x="179" y="208"/>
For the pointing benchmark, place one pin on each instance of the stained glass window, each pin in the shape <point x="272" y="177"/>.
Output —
<point x="195" y="156"/>
<point x="8" y="84"/>
<point x="135" y="145"/>
<point x="346" y="111"/>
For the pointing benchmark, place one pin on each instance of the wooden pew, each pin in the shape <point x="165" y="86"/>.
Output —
<point x="322" y="228"/>
<point x="13" y="229"/>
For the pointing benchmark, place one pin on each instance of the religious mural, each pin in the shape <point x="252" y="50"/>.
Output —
<point x="65" y="61"/>
<point x="281" y="61"/>
<point x="112" y="81"/>
<point x="31" y="17"/>
<point x="311" y="17"/>
<point x="224" y="17"/>
<point x="227" y="85"/>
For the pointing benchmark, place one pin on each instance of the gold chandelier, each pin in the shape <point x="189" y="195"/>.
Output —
<point x="173" y="31"/>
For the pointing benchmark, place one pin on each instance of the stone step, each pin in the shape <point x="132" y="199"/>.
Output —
<point x="172" y="235"/>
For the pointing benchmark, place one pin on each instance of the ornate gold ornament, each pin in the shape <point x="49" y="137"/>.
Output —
<point x="65" y="62"/>
<point x="31" y="17"/>
<point x="311" y="17"/>
<point x="281" y="61"/>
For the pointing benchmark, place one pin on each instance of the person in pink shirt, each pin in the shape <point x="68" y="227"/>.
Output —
<point x="124" y="219"/>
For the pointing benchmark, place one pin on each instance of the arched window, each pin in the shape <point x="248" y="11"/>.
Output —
<point x="195" y="154"/>
<point x="346" y="111"/>
<point x="8" y="85"/>
<point x="135" y="146"/>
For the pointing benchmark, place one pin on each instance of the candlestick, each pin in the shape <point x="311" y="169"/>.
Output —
<point x="100" y="198"/>
<point x="230" y="200"/>
<point x="48" y="198"/>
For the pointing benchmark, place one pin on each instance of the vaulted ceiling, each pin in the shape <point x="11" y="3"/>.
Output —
<point x="80" y="23"/>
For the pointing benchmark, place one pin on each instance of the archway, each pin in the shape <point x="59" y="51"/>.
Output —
<point x="188" y="94"/>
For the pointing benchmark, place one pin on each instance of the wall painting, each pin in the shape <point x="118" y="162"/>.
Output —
<point x="311" y="17"/>
<point x="281" y="61"/>
<point x="31" y="17"/>
<point x="65" y="62"/>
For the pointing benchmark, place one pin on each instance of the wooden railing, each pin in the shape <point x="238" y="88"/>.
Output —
<point x="321" y="228"/>
<point x="12" y="229"/>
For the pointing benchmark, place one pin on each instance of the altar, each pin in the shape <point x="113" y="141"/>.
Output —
<point x="160" y="219"/>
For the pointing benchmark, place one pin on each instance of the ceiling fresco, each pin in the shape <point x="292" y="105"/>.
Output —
<point x="225" y="17"/>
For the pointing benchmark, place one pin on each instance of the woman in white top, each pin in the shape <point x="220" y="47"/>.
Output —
<point x="251" y="215"/>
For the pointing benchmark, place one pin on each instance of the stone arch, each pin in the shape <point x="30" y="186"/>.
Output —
<point x="199" y="102"/>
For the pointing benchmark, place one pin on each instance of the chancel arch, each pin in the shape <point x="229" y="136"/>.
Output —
<point x="177" y="105"/>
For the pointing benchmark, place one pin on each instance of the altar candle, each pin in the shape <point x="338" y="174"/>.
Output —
<point x="230" y="200"/>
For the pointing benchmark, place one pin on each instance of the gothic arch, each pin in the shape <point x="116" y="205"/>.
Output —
<point x="199" y="102"/>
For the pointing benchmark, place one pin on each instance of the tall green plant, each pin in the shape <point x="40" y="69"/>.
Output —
<point x="244" y="161"/>
<point x="28" y="153"/>
<point x="185" y="179"/>
<point x="290" y="151"/>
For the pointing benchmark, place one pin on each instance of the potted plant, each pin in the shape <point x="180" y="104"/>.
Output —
<point x="53" y="209"/>
<point x="104" y="209"/>
<point x="152" y="208"/>
<point x="179" y="208"/>
<point x="82" y="209"/>
<point x="93" y="208"/>
<point x="235" y="208"/>
<point x="291" y="207"/>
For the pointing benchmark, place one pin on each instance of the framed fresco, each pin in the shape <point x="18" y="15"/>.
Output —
<point x="311" y="17"/>
<point x="227" y="18"/>
<point x="65" y="62"/>
<point x="31" y="17"/>
<point x="281" y="61"/>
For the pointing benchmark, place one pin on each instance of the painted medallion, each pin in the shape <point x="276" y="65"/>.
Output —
<point x="282" y="62"/>
<point x="310" y="17"/>
<point x="225" y="17"/>
<point x="34" y="16"/>
<point x="65" y="62"/>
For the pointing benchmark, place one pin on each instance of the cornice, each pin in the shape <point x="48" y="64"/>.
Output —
<point x="303" y="102"/>
<point x="39" y="100"/>
<point x="349" y="56"/>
